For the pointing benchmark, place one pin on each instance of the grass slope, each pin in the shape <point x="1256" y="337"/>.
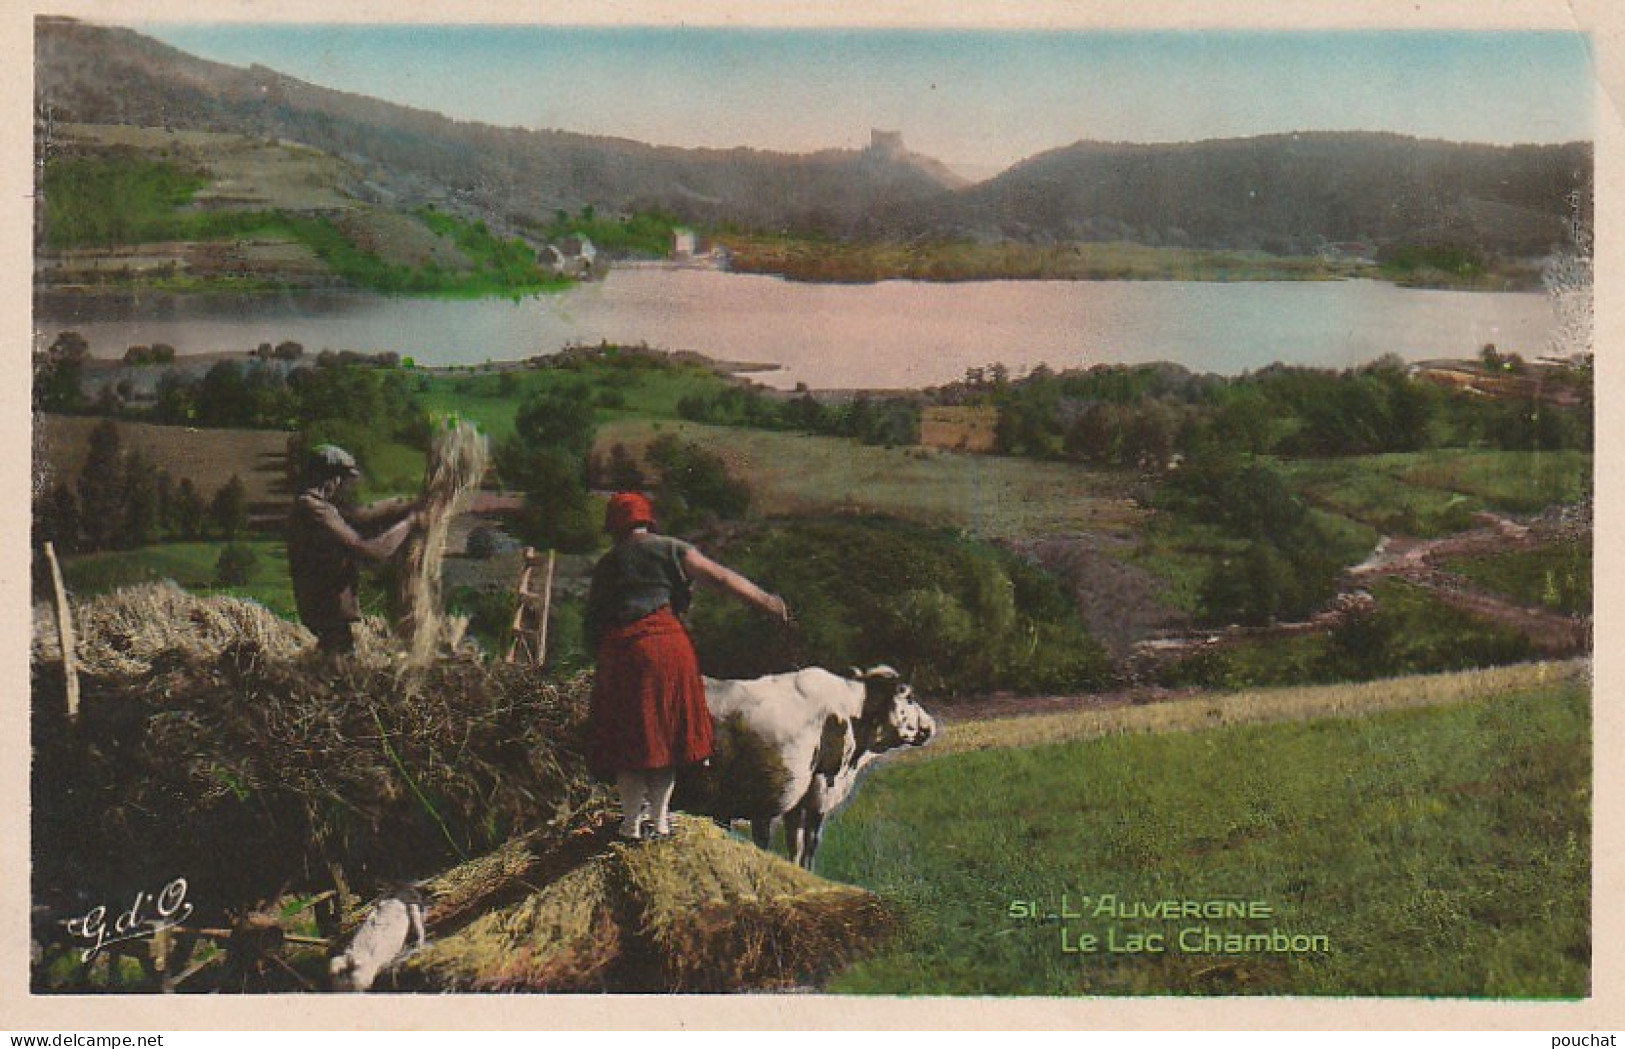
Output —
<point x="995" y="497"/>
<point x="1432" y="493"/>
<point x="1441" y="851"/>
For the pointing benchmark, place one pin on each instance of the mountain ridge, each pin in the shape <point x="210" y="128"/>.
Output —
<point x="1286" y="193"/>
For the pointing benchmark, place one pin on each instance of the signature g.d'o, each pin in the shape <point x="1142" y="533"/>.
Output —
<point x="146" y="916"/>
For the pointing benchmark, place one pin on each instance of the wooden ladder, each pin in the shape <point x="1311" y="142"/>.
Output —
<point x="529" y="631"/>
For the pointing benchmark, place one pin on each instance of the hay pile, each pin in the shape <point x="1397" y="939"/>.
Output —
<point x="701" y="912"/>
<point x="213" y="744"/>
<point x="458" y="458"/>
<point x="122" y="634"/>
<point x="251" y="767"/>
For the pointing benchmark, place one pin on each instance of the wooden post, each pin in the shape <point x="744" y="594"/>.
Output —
<point x="64" y="630"/>
<point x="547" y="608"/>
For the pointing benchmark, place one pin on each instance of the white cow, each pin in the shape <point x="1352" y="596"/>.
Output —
<point x="792" y="746"/>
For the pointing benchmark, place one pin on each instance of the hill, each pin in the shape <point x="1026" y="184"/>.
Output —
<point x="1351" y="193"/>
<point x="1347" y="195"/>
<point x="102" y="75"/>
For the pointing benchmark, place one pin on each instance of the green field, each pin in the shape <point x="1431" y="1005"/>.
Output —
<point x="995" y="497"/>
<point x="190" y="565"/>
<point x="1556" y="576"/>
<point x="1439" y="852"/>
<point x="490" y="397"/>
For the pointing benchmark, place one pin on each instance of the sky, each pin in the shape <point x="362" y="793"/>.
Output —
<point x="978" y="100"/>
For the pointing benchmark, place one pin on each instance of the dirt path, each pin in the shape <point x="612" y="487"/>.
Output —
<point x="971" y="728"/>
<point x="1417" y="562"/>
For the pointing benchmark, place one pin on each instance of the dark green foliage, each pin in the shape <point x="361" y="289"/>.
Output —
<point x="101" y="491"/>
<point x="228" y="510"/>
<point x="1557" y="575"/>
<point x="1286" y="566"/>
<point x="955" y="616"/>
<point x="1412" y="632"/>
<point x="59" y="372"/>
<point x="642" y="234"/>
<point x="56" y="519"/>
<point x="105" y="201"/>
<point x="114" y="199"/>
<point x="235" y="566"/>
<point x="140" y="502"/>
<point x="621" y="472"/>
<point x="490" y="613"/>
<point x="504" y="263"/>
<point x="888" y="421"/>
<point x="1410" y="259"/>
<point x="187" y="512"/>
<point x="546" y="459"/>
<point x="557" y="514"/>
<point x="695" y="487"/>
<point x="483" y="543"/>
<point x="559" y="416"/>
<point x="1146" y="416"/>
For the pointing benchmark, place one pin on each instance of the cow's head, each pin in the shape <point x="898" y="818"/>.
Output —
<point x="890" y="711"/>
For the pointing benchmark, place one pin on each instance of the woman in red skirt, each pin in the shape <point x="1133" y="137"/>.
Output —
<point x="648" y="704"/>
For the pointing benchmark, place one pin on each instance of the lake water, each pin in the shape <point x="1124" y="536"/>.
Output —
<point x="894" y="334"/>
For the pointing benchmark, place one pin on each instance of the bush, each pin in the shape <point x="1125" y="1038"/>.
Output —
<point x="695" y="486"/>
<point x="235" y="566"/>
<point x="954" y="616"/>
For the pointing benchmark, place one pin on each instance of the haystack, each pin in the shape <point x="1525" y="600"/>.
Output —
<point x="211" y="740"/>
<point x="699" y="912"/>
<point x="212" y="744"/>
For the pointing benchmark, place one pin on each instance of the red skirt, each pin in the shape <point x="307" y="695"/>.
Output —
<point x="648" y="702"/>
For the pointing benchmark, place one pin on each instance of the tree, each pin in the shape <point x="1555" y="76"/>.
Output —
<point x="101" y="487"/>
<point x="558" y="417"/>
<point x="58" y="374"/>
<point x="225" y="398"/>
<point x="228" y="510"/>
<point x="622" y="472"/>
<point x="695" y="485"/>
<point x="187" y="512"/>
<point x="177" y="398"/>
<point x="556" y="513"/>
<point x="56" y="519"/>
<point x="140" y="502"/>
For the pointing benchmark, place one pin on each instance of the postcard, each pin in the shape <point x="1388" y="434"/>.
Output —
<point x="1025" y="516"/>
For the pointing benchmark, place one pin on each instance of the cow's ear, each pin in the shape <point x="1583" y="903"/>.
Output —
<point x="857" y="675"/>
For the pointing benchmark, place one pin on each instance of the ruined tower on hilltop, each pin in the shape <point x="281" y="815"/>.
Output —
<point x="888" y="142"/>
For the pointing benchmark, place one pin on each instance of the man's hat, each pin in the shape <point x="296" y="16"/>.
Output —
<point x="329" y="460"/>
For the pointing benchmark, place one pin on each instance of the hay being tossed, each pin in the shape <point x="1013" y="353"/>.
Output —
<point x="458" y="458"/>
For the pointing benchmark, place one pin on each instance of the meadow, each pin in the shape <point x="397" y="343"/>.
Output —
<point x="1440" y="851"/>
<point x="1431" y="493"/>
<point x="191" y="565"/>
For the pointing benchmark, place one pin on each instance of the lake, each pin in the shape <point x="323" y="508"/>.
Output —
<point x="894" y="334"/>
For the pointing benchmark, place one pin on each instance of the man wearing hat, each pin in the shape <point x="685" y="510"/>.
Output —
<point x="326" y="546"/>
